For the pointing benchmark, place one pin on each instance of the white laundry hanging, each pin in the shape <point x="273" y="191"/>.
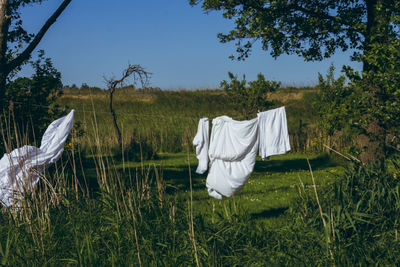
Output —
<point x="234" y="146"/>
<point x="274" y="136"/>
<point x="201" y="141"/>
<point x="233" y="151"/>
<point x="20" y="169"/>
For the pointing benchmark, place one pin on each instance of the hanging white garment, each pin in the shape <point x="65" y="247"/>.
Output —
<point x="232" y="152"/>
<point x="234" y="146"/>
<point x="20" y="169"/>
<point x="273" y="132"/>
<point x="201" y="141"/>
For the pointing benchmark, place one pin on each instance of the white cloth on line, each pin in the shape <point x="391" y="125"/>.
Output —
<point x="201" y="141"/>
<point x="274" y="136"/>
<point x="234" y="146"/>
<point x="20" y="169"/>
<point x="233" y="151"/>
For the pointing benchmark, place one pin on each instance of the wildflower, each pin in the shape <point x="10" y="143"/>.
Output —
<point x="69" y="146"/>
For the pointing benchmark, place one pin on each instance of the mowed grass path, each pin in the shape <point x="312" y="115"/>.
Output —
<point x="270" y="191"/>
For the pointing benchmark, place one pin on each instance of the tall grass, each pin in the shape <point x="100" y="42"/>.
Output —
<point x="120" y="218"/>
<point x="88" y="211"/>
<point x="162" y="121"/>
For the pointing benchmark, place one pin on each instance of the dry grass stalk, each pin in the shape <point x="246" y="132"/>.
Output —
<point x="321" y="213"/>
<point x="191" y="225"/>
<point x="337" y="152"/>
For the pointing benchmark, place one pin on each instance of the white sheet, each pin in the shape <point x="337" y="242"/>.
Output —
<point x="20" y="169"/>
<point x="233" y="151"/>
<point x="201" y="141"/>
<point x="273" y="132"/>
<point x="234" y="146"/>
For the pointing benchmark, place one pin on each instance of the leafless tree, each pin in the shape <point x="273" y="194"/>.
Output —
<point x="135" y="72"/>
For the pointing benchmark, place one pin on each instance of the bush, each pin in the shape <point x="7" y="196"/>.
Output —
<point x="252" y="97"/>
<point x="32" y="100"/>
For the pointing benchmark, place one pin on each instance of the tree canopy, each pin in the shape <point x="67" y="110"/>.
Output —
<point x="312" y="29"/>
<point x="16" y="44"/>
<point x="315" y="30"/>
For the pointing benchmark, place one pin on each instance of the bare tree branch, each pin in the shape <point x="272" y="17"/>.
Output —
<point x="138" y="73"/>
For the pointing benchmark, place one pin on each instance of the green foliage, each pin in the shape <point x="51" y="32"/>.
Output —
<point x="361" y="213"/>
<point x="95" y="211"/>
<point x="252" y="97"/>
<point x="370" y="103"/>
<point x="309" y="28"/>
<point x="151" y="117"/>
<point x="378" y="90"/>
<point x="17" y="35"/>
<point x="134" y="213"/>
<point x="315" y="30"/>
<point x="335" y="103"/>
<point x="32" y="100"/>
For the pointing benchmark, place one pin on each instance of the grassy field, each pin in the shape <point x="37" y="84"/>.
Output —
<point x="167" y="120"/>
<point x="271" y="189"/>
<point x="148" y="207"/>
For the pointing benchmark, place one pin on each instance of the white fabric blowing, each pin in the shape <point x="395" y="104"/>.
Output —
<point x="20" y="169"/>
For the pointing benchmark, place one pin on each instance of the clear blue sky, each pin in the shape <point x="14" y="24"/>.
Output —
<point x="176" y="42"/>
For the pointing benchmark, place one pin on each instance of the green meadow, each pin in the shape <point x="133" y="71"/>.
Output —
<point x="146" y="206"/>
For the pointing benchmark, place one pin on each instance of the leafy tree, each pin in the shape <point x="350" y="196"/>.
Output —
<point x="252" y="97"/>
<point x="315" y="30"/>
<point x="32" y="100"/>
<point x="333" y="104"/>
<point x="368" y="105"/>
<point x="377" y="110"/>
<point x="13" y="37"/>
<point x="312" y="29"/>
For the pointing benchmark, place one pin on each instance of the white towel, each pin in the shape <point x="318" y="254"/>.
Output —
<point x="273" y="132"/>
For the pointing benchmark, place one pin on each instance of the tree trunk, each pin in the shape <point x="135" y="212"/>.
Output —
<point x="3" y="81"/>
<point x="372" y="144"/>
<point x="114" y="116"/>
<point x="372" y="141"/>
<point x="4" y="27"/>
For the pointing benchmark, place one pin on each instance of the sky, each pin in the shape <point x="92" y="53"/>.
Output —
<point x="174" y="41"/>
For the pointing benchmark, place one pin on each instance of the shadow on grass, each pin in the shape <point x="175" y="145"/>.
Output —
<point x="288" y="165"/>
<point x="177" y="176"/>
<point x="269" y="213"/>
<point x="264" y="190"/>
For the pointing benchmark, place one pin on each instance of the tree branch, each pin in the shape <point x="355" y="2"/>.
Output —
<point x="4" y="28"/>
<point x="138" y="73"/>
<point x="33" y="44"/>
<point x="314" y="13"/>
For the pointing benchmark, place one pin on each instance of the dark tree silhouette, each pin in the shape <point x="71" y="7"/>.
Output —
<point x="138" y="73"/>
<point x="11" y="32"/>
